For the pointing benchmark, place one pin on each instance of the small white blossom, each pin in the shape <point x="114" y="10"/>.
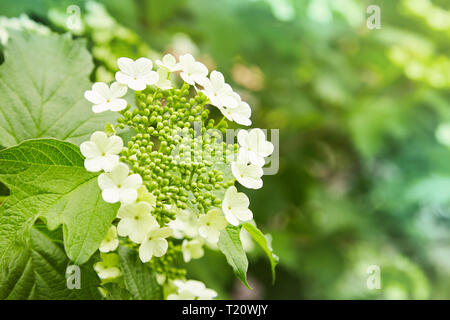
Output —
<point x="248" y="175"/>
<point x="210" y="225"/>
<point x="241" y="114"/>
<point x="136" y="74"/>
<point x="220" y="93"/>
<point x="235" y="206"/>
<point x="192" y="249"/>
<point x="192" y="71"/>
<point x="185" y="224"/>
<point x="107" y="98"/>
<point x="101" y="152"/>
<point x="108" y="267"/>
<point x="136" y="221"/>
<point x="118" y="186"/>
<point x="254" y="146"/>
<point x="164" y="82"/>
<point x="155" y="243"/>
<point x="191" y="290"/>
<point x="111" y="241"/>
<point x="169" y="63"/>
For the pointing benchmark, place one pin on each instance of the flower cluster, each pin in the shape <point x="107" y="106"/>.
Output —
<point x="175" y="177"/>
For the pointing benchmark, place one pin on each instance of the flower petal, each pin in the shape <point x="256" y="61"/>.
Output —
<point x="89" y="149"/>
<point x="126" y="65"/>
<point x="94" y="164"/>
<point x="134" y="181"/>
<point x="111" y="195"/>
<point x="118" y="90"/>
<point x="127" y="195"/>
<point x="114" y="145"/>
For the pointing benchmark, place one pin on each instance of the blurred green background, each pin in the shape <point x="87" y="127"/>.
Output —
<point x="364" y="121"/>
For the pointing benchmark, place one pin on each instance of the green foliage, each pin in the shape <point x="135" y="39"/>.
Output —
<point x="47" y="179"/>
<point x="42" y="82"/>
<point x="265" y="242"/>
<point x="140" y="279"/>
<point x="231" y="246"/>
<point x="38" y="270"/>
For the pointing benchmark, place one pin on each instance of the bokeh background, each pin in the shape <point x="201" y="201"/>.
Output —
<point x="364" y="119"/>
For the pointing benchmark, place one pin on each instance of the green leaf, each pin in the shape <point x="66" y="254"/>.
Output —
<point x="264" y="241"/>
<point x="47" y="179"/>
<point x="115" y="292"/>
<point x="139" y="278"/>
<point x="38" y="270"/>
<point x="42" y="82"/>
<point x="231" y="246"/>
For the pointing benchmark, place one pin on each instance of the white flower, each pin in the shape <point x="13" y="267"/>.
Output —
<point x="118" y="186"/>
<point x="164" y="82"/>
<point x="220" y="93"/>
<point x="192" y="249"/>
<point x="144" y="195"/>
<point x="101" y="152"/>
<point x="155" y="243"/>
<point x="249" y="175"/>
<point x="185" y="224"/>
<point x="108" y="267"/>
<point x="192" y="71"/>
<point x="235" y="206"/>
<point x="111" y="241"/>
<point x="106" y="98"/>
<point x="136" y="74"/>
<point x="210" y="225"/>
<point x="136" y="221"/>
<point x="241" y="114"/>
<point x="191" y="290"/>
<point x="254" y="146"/>
<point x="169" y="63"/>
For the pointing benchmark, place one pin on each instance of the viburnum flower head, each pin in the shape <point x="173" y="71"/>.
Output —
<point x="220" y="93"/>
<point x="235" y="206"/>
<point x="192" y="71"/>
<point x="254" y="146"/>
<point x="241" y="114"/>
<point x="101" y="152"/>
<point x="169" y="63"/>
<point x="155" y="243"/>
<point x="136" y="221"/>
<point x="111" y="241"/>
<point x="247" y="174"/>
<point x="107" y="98"/>
<point x="191" y="290"/>
<point x="210" y="225"/>
<point x="136" y="74"/>
<point x="117" y="185"/>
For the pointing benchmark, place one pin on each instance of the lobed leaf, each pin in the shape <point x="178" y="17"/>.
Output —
<point x="42" y="82"/>
<point x="47" y="179"/>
